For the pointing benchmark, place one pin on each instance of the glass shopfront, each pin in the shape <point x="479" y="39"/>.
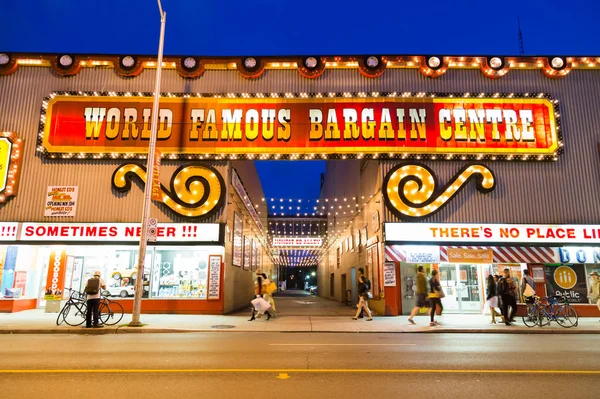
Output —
<point x="170" y="271"/>
<point x="463" y="284"/>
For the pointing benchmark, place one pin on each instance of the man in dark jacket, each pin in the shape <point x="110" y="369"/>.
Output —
<point x="507" y="288"/>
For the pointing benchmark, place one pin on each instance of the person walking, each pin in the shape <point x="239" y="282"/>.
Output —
<point x="594" y="294"/>
<point x="259" y="291"/>
<point x="92" y="290"/>
<point x="268" y="289"/>
<point x="361" y="273"/>
<point x="527" y="289"/>
<point x="435" y="297"/>
<point x="508" y="292"/>
<point x="421" y="294"/>
<point x="492" y="297"/>
<point x="363" y="302"/>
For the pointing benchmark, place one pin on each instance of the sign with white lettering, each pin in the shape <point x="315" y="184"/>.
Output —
<point x="297" y="242"/>
<point x="104" y="125"/>
<point x="422" y="254"/>
<point x="567" y="282"/>
<point x="61" y="201"/>
<point x="579" y="255"/>
<point x="126" y="232"/>
<point x="214" y="276"/>
<point x="492" y="233"/>
<point x="389" y="274"/>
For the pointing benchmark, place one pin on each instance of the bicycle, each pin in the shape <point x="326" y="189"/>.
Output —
<point x="110" y="312"/>
<point x="542" y="314"/>
<point x="563" y="313"/>
<point x="74" y="311"/>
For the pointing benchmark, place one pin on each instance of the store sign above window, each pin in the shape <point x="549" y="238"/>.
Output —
<point x="492" y="233"/>
<point x="297" y="242"/>
<point x="115" y="232"/>
<point x="10" y="165"/>
<point x="375" y="125"/>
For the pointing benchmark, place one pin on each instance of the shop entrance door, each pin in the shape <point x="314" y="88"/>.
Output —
<point x="461" y="285"/>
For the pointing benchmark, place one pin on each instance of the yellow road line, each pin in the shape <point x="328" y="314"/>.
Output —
<point x="283" y="370"/>
<point x="342" y="344"/>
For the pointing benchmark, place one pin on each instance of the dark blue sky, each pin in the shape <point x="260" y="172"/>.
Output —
<point x="270" y="27"/>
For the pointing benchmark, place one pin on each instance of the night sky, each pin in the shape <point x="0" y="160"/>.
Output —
<point x="271" y="27"/>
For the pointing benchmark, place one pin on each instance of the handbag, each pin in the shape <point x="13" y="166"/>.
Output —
<point x="369" y="295"/>
<point x="528" y="292"/>
<point x="441" y="293"/>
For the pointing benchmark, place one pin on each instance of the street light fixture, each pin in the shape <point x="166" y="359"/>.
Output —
<point x="139" y="286"/>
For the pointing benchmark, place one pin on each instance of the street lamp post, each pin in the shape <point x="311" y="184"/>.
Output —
<point x="139" y="281"/>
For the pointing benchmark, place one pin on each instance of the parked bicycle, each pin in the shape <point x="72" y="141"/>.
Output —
<point x="74" y="311"/>
<point x="545" y="310"/>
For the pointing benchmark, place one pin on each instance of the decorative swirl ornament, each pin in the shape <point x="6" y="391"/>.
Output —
<point x="410" y="189"/>
<point x="197" y="190"/>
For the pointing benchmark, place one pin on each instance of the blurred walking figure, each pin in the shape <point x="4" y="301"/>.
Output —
<point x="507" y="288"/>
<point x="364" y="296"/>
<point x="258" y="303"/>
<point x="435" y="296"/>
<point x="269" y="289"/>
<point x="527" y="289"/>
<point x="594" y="294"/>
<point x="421" y="294"/>
<point x="492" y="297"/>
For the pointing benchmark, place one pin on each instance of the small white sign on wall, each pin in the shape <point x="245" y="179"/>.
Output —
<point x="61" y="201"/>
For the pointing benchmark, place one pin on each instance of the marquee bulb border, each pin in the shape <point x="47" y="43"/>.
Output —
<point x="366" y="155"/>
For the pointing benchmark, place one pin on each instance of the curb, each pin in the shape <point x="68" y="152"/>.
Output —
<point x="150" y="330"/>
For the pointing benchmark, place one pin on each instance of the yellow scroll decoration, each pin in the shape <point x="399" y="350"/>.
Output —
<point x="198" y="189"/>
<point x="416" y="197"/>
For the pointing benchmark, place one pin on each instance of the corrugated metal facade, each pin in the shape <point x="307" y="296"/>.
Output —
<point x="561" y="192"/>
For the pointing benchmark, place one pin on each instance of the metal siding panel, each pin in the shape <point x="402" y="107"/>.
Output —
<point x="563" y="192"/>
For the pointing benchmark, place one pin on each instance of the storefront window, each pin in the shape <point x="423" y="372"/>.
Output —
<point x="180" y="273"/>
<point x="169" y="272"/>
<point x="567" y="281"/>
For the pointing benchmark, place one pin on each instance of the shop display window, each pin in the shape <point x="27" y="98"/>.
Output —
<point x="169" y="272"/>
<point x="19" y="274"/>
<point x="180" y="273"/>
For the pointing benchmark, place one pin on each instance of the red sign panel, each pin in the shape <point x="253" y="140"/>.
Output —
<point x="108" y="126"/>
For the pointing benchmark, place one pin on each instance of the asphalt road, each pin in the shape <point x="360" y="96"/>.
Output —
<point x="264" y="365"/>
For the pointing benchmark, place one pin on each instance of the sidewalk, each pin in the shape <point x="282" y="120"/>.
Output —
<point x="38" y="322"/>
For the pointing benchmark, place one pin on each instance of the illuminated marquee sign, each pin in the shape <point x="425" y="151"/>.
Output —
<point x="492" y="233"/>
<point x="297" y="242"/>
<point x="410" y="191"/>
<point x="380" y="125"/>
<point x="10" y="165"/>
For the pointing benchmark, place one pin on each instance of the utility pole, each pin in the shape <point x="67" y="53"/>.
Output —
<point x="520" y="34"/>
<point x="139" y="280"/>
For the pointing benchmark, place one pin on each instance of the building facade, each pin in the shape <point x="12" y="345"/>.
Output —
<point x="467" y="165"/>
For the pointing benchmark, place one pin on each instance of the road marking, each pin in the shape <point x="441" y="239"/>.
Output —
<point x="283" y="376"/>
<point x="287" y="371"/>
<point x="342" y="344"/>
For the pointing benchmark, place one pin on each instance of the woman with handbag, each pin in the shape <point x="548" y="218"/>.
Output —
<point x="364" y="295"/>
<point x="258" y="303"/>
<point x="435" y="296"/>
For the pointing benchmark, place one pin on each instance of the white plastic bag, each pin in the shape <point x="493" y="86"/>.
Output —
<point x="260" y="304"/>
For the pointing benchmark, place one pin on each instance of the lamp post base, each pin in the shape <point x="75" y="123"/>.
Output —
<point x="136" y="324"/>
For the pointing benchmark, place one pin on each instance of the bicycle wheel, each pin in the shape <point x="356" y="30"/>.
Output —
<point x="532" y="318"/>
<point x="61" y="314"/>
<point x="544" y="316"/>
<point x="566" y="316"/>
<point x="74" y="314"/>
<point x="110" y="313"/>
